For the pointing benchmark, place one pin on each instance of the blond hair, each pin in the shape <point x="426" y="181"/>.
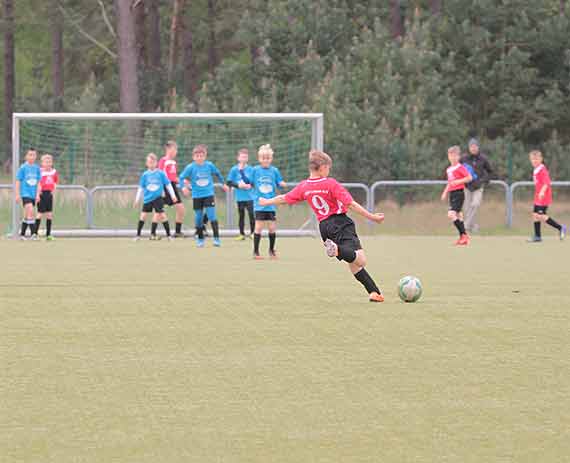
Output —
<point x="536" y="154"/>
<point x="317" y="159"/>
<point x="454" y="149"/>
<point x="170" y="144"/>
<point x="265" y="149"/>
<point x="45" y="157"/>
<point x="152" y="156"/>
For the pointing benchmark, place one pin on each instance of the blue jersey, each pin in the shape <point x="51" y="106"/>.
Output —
<point x="201" y="178"/>
<point x="29" y="176"/>
<point x="235" y="176"/>
<point x="265" y="182"/>
<point x="152" y="183"/>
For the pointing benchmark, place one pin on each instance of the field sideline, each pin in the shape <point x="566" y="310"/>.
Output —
<point x="113" y="350"/>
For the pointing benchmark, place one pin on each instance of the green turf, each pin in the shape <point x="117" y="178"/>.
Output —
<point x="115" y="351"/>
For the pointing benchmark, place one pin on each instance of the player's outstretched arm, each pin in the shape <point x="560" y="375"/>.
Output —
<point x="272" y="201"/>
<point x="374" y="217"/>
<point x="138" y="196"/>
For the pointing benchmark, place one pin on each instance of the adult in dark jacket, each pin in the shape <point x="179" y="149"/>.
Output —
<point x="481" y="170"/>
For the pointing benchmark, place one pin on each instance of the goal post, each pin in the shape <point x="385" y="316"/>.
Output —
<point x="94" y="150"/>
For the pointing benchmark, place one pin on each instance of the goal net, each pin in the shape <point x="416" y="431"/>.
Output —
<point x="100" y="158"/>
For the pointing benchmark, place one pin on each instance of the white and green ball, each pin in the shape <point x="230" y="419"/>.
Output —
<point x="410" y="289"/>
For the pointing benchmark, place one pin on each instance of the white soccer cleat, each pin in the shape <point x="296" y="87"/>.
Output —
<point x="137" y="238"/>
<point x="332" y="248"/>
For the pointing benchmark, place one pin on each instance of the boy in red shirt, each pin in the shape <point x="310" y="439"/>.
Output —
<point x="48" y="183"/>
<point x="542" y="198"/>
<point x="330" y="202"/>
<point x="168" y="164"/>
<point x="457" y="177"/>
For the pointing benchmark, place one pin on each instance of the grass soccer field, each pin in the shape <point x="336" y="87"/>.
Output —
<point x="116" y="351"/>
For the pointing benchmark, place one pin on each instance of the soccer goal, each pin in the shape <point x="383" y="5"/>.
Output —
<point x="100" y="158"/>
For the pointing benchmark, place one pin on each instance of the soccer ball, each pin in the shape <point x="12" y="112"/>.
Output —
<point x="410" y="289"/>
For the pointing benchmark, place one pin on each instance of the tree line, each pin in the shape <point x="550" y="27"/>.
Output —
<point x="397" y="80"/>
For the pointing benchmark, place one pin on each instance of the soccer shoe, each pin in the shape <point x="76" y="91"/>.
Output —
<point x="23" y="238"/>
<point x="463" y="241"/>
<point x="35" y="237"/>
<point x="257" y="256"/>
<point x="200" y="243"/>
<point x="216" y="242"/>
<point x="273" y="254"/>
<point x="240" y="238"/>
<point x="534" y="239"/>
<point x="170" y="238"/>
<point x="137" y="238"/>
<point x="155" y="238"/>
<point x="49" y="238"/>
<point x="331" y="247"/>
<point x="376" y="297"/>
<point x="563" y="232"/>
<point x="179" y="235"/>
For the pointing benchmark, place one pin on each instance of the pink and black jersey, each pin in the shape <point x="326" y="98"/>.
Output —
<point x="456" y="172"/>
<point x="169" y="167"/>
<point x="541" y="178"/>
<point x="325" y="195"/>
<point x="49" y="179"/>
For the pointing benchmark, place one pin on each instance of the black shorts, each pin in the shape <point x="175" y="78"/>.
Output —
<point x="46" y="202"/>
<point x="542" y="210"/>
<point x="167" y="199"/>
<point x="341" y="229"/>
<point x="157" y="205"/>
<point x="456" y="200"/>
<point x="28" y="201"/>
<point x="265" y="216"/>
<point x="203" y="203"/>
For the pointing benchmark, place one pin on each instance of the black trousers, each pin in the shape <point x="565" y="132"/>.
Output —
<point x="242" y="207"/>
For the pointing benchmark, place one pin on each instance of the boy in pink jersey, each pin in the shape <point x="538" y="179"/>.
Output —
<point x="542" y="198"/>
<point x="168" y="164"/>
<point x="330" y="202"/>
<point x="457" y="177"/>
<point x="46" y="189"/>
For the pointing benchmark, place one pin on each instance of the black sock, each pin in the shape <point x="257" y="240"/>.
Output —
<point x="140" y="227"/>
<point x="24" y="228"/>
<point x="153" y="228"/>
<point x="200" y="232"/>
<point x="346" y="254"/>
<point x="460" y="226"/>
<point x="241" y="221"/>
<point x="537" y="229"/>
<point x="48" y="227"/>
<point x="215" y="229"/>
<point x="166" y="226"/>
<point x="554" y="223"/>
<point x="36" y="226"/>
<point x="256" y="241"/>
<point x="178" y="228"/>
<point x="364" y="277"/>
<point x="272" y="238"/>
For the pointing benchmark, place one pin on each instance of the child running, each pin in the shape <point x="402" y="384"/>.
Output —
<point x="168" y="164"/>
<point x="265" y="180"/>
<point x="27" y="179"/>
<point x="542" y="198"/>
<point x="243" y="192"/>
<point x="46" y="190"/>
<point x="330" y="202"/>
<point x="152" y="184"/>
<point x="457" y="177"/>
<point x="201" y="175"/>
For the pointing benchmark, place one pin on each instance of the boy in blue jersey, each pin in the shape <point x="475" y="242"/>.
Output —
<point x="200" y="176"/>
<point x="152" y="184"/>
<point x="27" y="180"/>
<point x="244" y="193"/>
<point x="265" y="180"/>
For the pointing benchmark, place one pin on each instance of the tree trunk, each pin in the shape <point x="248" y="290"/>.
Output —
<point x="435" y="7"/>
<point x="154" y="45"/>
<point x="189" y="62"/>
<point x="212" y="45"/>
<point x="397" y="25"/>
<point x="174" y="38"/>
<point x="8" y="74"/>
<point x="57" y="56"/>
<point x="128" y="72"/>
<point x="140" y="31"/>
